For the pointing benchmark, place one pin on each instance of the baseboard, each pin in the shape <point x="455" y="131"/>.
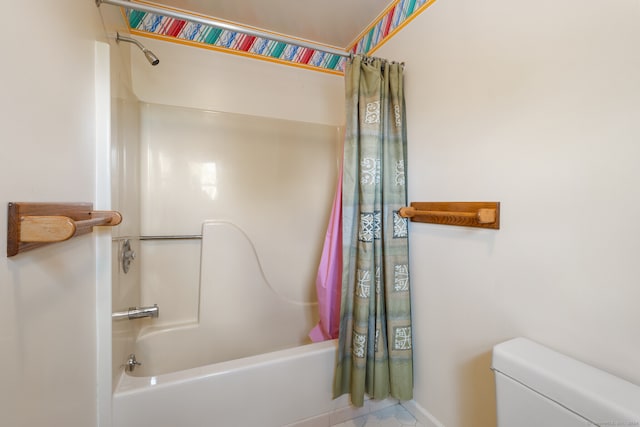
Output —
<point x="421" y="414"/>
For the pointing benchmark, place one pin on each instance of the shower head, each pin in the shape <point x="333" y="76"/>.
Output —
<point x="153" y="60"/>
<point x="151" y="57"/>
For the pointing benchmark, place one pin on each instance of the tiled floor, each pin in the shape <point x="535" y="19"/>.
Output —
<point x="393" y="416"/>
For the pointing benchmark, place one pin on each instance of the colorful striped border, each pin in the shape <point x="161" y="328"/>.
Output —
<point x="166" y="28"/>
<point x="394" y="18"/>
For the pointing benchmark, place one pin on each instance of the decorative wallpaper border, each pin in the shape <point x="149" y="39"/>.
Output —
<point x="392" y="20"/>
<point x="171" y="29"/>
<point x="396" y="16"/>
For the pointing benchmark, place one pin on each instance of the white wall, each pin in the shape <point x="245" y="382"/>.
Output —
<point x="48" y="331"/>
<point x="209" y="80"/>
<point x="535" y="105"/>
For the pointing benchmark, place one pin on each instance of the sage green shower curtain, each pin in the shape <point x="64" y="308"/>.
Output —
<point x="375" y="346"/>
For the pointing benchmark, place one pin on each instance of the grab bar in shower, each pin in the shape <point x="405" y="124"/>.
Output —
<point x="176" y="237"/>
<point x="137" y="313"/>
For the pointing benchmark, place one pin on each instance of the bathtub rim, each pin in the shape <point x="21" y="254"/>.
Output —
<point x="129" y="384"/>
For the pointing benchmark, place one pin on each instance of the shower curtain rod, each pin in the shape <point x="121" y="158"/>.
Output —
<point x="222" y="25"/>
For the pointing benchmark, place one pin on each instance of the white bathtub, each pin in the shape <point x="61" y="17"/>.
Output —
<point x="268" y="390"/>
<point x="240" y="365"/>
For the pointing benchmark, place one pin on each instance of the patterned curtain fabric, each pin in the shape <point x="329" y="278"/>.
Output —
<point x="375" y="349"/>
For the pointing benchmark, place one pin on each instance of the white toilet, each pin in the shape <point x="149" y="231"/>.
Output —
<point x="537" y="387"/>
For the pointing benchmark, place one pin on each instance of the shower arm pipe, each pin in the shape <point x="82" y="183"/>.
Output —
<point x="223" y="25"/>
<point x="120" y="37"/>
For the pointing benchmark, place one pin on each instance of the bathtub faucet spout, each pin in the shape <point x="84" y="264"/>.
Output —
<point x="137" y="313"/>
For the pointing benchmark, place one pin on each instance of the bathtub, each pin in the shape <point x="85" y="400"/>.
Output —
<point x="269" y="390"/>
<point x="247" y="365"/>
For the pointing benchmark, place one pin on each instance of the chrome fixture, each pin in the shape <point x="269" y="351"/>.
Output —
<point x="176" y="237"/>
<point x="137" y="313"/>
<point x="128" y="255"/>
<point x="132" y="363"/>
<point x="153" y="60"/>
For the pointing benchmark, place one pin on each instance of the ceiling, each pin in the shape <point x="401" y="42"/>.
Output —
<point x="332" y="22"/>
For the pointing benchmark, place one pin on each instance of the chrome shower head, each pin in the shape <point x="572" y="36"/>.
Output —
<point x="153" y="60"/>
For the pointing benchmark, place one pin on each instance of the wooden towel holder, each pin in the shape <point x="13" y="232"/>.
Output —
<point x="467" y="214"/>
<point x="31" y="225"/>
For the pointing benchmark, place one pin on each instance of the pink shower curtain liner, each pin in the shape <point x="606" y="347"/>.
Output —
<point x="329" y="279"/>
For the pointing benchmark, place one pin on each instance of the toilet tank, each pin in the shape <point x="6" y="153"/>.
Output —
<point x="538" y="387"/>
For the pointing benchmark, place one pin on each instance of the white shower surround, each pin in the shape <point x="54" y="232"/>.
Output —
<point x="240" y="315"/>
<point x="257" y="372"/>
<point x="275" y="179"/>
<point x="235" y="308"/>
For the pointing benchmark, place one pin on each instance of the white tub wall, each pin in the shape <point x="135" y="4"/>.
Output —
<point x="125" y="157"/>
<point x="274" y="179"/>
<point x="239" y="314"/>
<point x="170" y="278"/>
<point x="534" y="105"/>
<point x="202" y="79"/>
<point x="125" y="147"/>
<point x="48" y="331"/>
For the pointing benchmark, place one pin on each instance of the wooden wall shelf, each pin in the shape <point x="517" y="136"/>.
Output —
<point x="466" y="214"/>
<point x="32" y="225"/>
